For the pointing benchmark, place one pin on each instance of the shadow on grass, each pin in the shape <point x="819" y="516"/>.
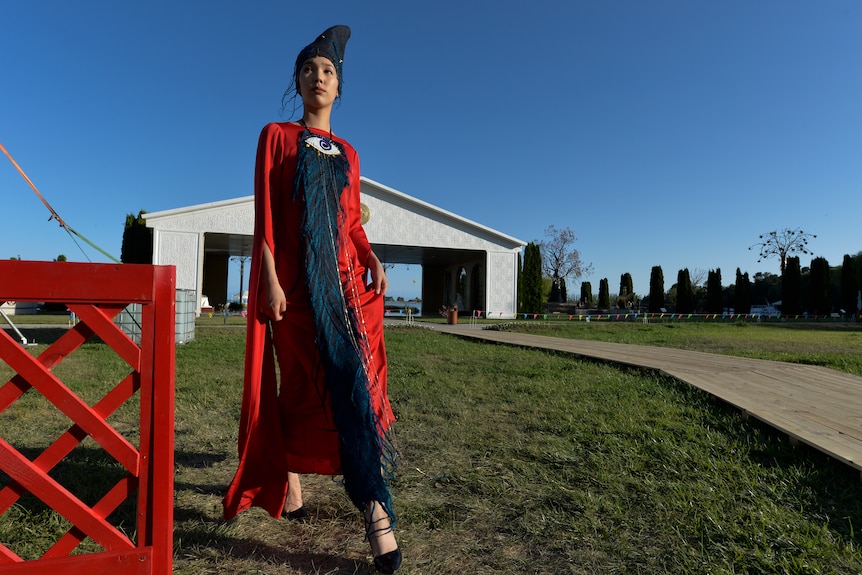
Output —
<point x="38" y="335"/>
<point x="32" y="526"/>
<point x="201" y="544"/>
<point x="207" y="545"/>
<point x="197" y="459"/>
<point x="88" y="473"/>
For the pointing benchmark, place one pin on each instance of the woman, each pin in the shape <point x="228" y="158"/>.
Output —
<point x="327" y="412"/>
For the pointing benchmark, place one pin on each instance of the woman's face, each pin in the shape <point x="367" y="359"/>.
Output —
<point x="318" y="82"/>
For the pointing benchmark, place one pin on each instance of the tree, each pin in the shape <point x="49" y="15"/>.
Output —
<point x="791" y="288"/>
<point x="531" y="280"/>
<point x="559" y="259"/>
<point x="698" y="276"/>
<point x="555" y="294"/>
<point x="586" y="294"/>
<point x="137" y="247"/>
<point x="818" y="296"/>
<point x="626" y="298"/>
<point x="857" y="263"/>
<point x="564" y="293"/>
<point x="765" y="288"/>
<point x="626" y="284"/>
<point x="742" y="294"/>
<point x="713" y="291"/>
<point x="849" y="286"/>
<point x="782" y="243"/>
<point x="604" y="294"/>
<point x="684" y="292"/>
<point x="656" y="289"/>
<point x="60" y="258"/>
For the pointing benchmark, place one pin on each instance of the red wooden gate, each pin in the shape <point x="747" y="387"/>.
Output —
<point x="96" y="293"/>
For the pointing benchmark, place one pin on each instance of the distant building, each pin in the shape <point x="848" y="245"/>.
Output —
<point x="20" y="308"/>
<point x="463" y="263"/>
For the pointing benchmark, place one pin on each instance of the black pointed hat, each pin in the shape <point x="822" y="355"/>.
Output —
<point x="330" y="44"/>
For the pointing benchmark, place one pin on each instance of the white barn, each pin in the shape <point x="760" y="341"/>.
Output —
<point x="463" y="263"/>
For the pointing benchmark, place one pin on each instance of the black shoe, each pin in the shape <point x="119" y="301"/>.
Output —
<point x="300" y="514"/>
<point x="388" y="562"/>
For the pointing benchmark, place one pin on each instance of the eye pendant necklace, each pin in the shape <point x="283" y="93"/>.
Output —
<point x="320" y="143"/>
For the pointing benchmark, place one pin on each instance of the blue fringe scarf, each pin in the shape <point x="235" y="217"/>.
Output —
<point x="321" y="175"/>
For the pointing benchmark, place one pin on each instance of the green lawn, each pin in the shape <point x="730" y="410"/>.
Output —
<point x="513" y="461"/>
<point x="829" y="344"/>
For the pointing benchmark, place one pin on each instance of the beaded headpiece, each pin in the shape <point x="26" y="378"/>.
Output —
<point x="330" y="44"/>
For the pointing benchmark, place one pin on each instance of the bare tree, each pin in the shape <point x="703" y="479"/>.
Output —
<point x="698" y="276"/>
<point x="783" y="243"/>
<point x="560" y="259"/>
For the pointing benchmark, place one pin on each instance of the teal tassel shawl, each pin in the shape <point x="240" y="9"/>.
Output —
<point x="366" y="455"/>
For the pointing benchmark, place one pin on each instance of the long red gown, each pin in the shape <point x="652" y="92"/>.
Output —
<point x="288" y="426"/>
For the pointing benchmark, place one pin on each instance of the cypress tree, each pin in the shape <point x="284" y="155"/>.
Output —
<point x="818" y="296"/>
<point x="531" y="299"/>
<point x="742" y="302"/>
<point x="586" y="294"/>
<point x="626" y="292"/>
<point x="626" y="284"/>
<point x="713" y="291"/>
<point x="791" y="288"/>
<point x="849" y="286"/>
<point x="604" y="294"/>
<point x="684" y="292"/>
<point x="137" y="247"/>
<point x="656" y="289"/>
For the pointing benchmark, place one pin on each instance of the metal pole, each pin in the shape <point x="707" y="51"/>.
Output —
<point x="9" y="321"/>
<point x="241" y="260"/>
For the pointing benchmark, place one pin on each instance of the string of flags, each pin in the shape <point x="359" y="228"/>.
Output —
<point x="649" y="315"/>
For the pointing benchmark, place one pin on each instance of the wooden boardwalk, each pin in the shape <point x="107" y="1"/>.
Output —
<point x="814" y="405"/>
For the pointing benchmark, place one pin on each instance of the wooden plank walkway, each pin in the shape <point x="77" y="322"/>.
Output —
<point x="814" y="405"/>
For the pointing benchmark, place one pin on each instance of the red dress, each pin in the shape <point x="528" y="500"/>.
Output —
<point x="288" y="426"/>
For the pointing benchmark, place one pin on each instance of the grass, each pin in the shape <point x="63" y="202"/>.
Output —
<point x="832" y="345"/>
<point x="513" y="461"/>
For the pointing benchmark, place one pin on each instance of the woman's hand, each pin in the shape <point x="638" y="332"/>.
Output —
<point x="272" y="302"/>
<point x="379" y="282"/>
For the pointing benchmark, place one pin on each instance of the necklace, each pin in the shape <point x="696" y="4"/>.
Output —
<point x="304" y="125"/>
<point x="320" y="143"/>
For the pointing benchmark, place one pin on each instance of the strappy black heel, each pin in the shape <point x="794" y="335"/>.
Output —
<point x="300" y="514"/>
<point x="390" y="561"/>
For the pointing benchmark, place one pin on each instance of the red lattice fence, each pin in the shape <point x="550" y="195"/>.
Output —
<point x="96" y="293"/>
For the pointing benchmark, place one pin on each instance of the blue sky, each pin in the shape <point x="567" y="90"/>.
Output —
<point x="666" y="133"/>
